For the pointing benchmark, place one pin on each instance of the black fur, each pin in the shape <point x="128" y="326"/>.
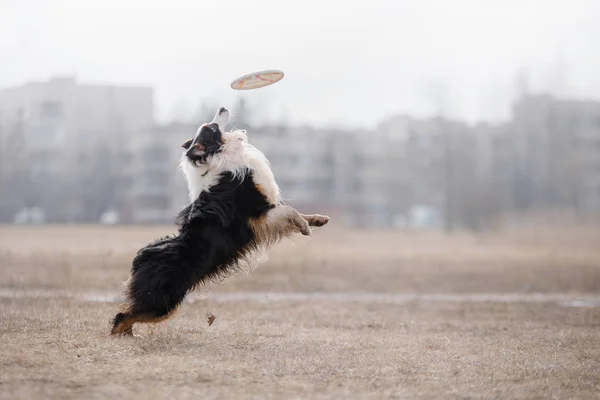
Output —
<point x="214" y="233"/>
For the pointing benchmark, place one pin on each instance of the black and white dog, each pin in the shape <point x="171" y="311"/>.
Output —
<point x="235" y="214"/>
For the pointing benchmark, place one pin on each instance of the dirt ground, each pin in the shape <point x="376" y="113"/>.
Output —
<point x="58" y="347"/>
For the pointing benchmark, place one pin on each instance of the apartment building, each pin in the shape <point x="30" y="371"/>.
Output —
<point x="59" y="130"/>
<point x="557" y="147"/>
<point x="404" y="172"/>
<point x="158" y="190"/>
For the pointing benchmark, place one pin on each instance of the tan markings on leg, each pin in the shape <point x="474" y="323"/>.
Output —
<point x="125" y="326"/>
<point x="278" y="223"/>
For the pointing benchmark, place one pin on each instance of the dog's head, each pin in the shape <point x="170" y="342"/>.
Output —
<point x="209" y="139"/>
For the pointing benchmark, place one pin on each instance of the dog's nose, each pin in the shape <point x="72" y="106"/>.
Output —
<point x="222" y="110"/>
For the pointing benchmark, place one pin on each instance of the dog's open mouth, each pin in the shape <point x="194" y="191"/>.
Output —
<point x="206" y="144"/>
<point x="200" y="157"/>
<point x="208" y="140"/>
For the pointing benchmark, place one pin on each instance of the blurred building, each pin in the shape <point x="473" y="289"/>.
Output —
<point x="158" y="191"/>
<point x="557" y="152"/>
<point x="301" y="159"/>
<point x="61" y="141"/>
<point x="64" y="109"/>
<point x="369" y="178"/>
<point x="86" y="153"/>
<point x="407" y="171"/>
<point x="63" y="120"/>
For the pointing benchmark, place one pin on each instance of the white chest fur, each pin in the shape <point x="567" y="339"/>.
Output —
<point x="236" y="156"/>
<point x="199" y="179"/>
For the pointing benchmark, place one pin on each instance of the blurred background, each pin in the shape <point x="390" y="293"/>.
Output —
<point x="408" y="114"/>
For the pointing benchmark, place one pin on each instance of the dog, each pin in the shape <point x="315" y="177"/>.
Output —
<point x="235" y="213"/>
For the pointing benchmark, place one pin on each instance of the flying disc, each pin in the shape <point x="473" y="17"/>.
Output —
<point x="257" y="80"/>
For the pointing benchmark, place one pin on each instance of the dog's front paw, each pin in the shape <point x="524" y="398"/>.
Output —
<point x="319" y="220"/>
<point x="302" y="225"/>
<point x="316" y="219"/>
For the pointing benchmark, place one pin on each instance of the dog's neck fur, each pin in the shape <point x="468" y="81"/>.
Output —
<point x="237" y="156"/>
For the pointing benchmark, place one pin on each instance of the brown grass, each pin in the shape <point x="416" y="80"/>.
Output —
<point x="333" y="260"/>
<point x="60" y="348"/>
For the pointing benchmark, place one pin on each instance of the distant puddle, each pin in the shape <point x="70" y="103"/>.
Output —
<point x="564" y="300"/>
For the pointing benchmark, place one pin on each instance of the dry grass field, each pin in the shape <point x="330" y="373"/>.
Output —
<point x="55" y="344"/>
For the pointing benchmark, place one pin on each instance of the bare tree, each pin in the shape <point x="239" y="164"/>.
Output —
<point x="242" y="113"/>
<point x="16" y="181"/>
<point x="204" y="113"/>
<point x="440" y="95"/>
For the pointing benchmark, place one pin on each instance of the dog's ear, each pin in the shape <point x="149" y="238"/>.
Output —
<point x="187" y="144"/>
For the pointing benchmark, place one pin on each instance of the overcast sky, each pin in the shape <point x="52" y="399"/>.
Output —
<point x="346" y="62"/>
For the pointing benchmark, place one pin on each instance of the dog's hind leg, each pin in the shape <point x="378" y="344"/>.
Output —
<point x="123" y="322"/>
<point x="146" y="303"/>
<point x="156" y="286"/>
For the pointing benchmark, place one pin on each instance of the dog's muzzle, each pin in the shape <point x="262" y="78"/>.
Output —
<point x="195" y="151"/>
